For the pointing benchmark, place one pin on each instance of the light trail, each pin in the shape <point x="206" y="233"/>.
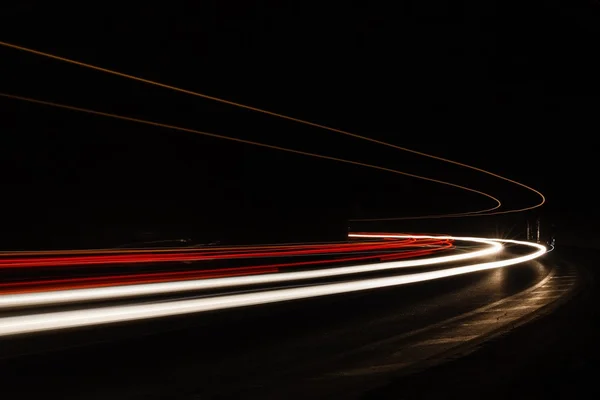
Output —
<point x="304" y="122"/>
<point x="66" y="259"/>
<point x="156" y="277"/>
<point x="99" y="316"/>
<point x="267" y="273"/>
<point x="207" y="249"/>
<point x="259" y="144"/>
<point x="129" y="291"/>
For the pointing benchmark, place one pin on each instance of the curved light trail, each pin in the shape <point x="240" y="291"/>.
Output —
<point x="127" y="291"/>
<point x="193" y="248"/>
<point x="116" y="256"/>
<point x="301" y="121"/>
<point x="329" y="255"/>
<point x="259" y="144"/>
<point x="105" y="315"/>
<point x="133" y="286"/>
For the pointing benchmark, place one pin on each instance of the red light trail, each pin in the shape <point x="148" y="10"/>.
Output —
<point x="340" y="253"/>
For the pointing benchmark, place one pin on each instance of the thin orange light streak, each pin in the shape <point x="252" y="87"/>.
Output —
<point x="215" y="135"/>
<point x="278" y="115"/>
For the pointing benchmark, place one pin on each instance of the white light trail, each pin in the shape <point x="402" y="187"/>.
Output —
<point x="128" y="291"/>
<point x="71" y="319"/>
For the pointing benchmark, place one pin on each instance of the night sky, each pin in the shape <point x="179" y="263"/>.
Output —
<point x="504" y="86"/>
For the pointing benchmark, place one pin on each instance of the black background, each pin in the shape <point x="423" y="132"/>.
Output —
<point x="511" y="87"/>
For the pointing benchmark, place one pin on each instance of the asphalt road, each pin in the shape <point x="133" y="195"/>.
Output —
<point x="555" y="356"/>
<point x="346" y="346"/>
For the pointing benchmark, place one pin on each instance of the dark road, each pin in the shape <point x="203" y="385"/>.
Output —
<point x="334" y="347"/>
<point x="553" y="357"/>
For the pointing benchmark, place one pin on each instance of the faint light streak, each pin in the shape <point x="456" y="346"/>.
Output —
<point x="250" y="142"/>
<point x="304" y="122"/>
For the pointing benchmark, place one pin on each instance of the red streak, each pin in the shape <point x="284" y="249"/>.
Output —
<point x="115" y="280"/>
<point x="152" y="257"/>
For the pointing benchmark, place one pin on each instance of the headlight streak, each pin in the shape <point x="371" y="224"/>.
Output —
<point x="128" y="291"/>
<point x="94" y="316"/>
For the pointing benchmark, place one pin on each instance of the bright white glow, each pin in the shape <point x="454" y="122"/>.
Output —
<point x="94" y="316"/>
<point x="123" y="291"/>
